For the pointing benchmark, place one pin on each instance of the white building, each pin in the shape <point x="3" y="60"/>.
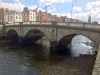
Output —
<point x="17" y="16"/>
<point x="29" y="15"/>
<point x="32" y="15"/>
<point x="12" y="17"/>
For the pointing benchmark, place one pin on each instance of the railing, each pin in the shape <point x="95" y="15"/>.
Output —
<point x="37" y="23"/>
<point x="66" y="24"/>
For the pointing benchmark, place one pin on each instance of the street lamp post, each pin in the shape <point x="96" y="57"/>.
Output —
<point x="71" y="20"/>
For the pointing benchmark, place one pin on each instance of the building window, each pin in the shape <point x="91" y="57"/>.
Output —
<point x="19" y="17"/>
<point x="31" y="17"/>
<point x="11" y="17"/>
<point x="16" y="17"/>
<point x="8" y="17"/>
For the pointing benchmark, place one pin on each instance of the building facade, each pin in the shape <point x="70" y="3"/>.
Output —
<point x="25" y="15"/>
<point x="2" y="14"/>
<point x="17" y="16"/>
<point x="29" y="15"/>
<point x="32" y="15"/>
<point x="42" y="16"/>
<point x="9" y="16"/>
<point x="12" y="16"/>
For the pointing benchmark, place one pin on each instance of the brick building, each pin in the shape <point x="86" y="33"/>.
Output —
<point x="2" y="14"/>
<point x="42" y="16"/>
<point x="25" y="15"/>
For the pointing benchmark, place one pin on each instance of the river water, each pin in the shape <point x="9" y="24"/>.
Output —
<point x="22" y="60"/>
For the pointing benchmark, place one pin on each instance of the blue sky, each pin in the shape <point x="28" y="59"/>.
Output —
<point x="61" y="6"/>
<point x="81" y="8"/>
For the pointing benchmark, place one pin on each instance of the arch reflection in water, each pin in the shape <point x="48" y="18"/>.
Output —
<point x="81" y="45"/>
<point x="12" y="36"/>
<point x="32" y="36"/>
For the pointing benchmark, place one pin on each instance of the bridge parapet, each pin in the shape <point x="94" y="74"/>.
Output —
<point x="84" y="25"/>
<point x="57" y="30"/>
<point x="37" y="23"/>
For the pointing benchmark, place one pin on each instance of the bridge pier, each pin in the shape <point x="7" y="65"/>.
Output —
<point x="53" y="45"/>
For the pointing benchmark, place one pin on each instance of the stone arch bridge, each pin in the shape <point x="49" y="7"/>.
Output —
<point x="55" y="31"/>
<point x="60" y="32"/>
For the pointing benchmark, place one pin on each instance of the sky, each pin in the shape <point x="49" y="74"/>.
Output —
<point x="80" y="9"/>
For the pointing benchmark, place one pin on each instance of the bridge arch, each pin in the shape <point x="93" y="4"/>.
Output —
<point x="12" y="35"/>
<point x="33" y="35"/>
<point x="64" y="44"/>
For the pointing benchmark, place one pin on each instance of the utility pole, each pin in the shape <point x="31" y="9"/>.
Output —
<point x="72" y="10"/>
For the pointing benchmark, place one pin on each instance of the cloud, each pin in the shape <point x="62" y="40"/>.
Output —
<point x="15" y="6"/>
<point x="17" y="0"/>
<point x="80" y="15"/>
<point x="93" y="5"/>
<point x="32" y="7"/>
<point x="77" y="9"/>
<point x="51" y="10"/>
<point x="91" y="8"/>
<point x="1" y="0"/>
<point x="54" y="1"/>
<point x="94" y="9"/>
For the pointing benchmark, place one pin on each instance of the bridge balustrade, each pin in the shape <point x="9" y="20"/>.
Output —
<point x="97" y="26"/>
<point x="26" y="23"/>
<point x="62" y="24"/>
<point x="9" y="24"/>
<point x="35" y="22"/>
<point x="76" y="25"/>
<point x="91" y="26"/>
<point x="66" y="24"/>
<point x="46" y="23"/>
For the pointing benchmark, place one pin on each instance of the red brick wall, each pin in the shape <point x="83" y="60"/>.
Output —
<point x="25" y="17"/>
<point x="1" y="15"/>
